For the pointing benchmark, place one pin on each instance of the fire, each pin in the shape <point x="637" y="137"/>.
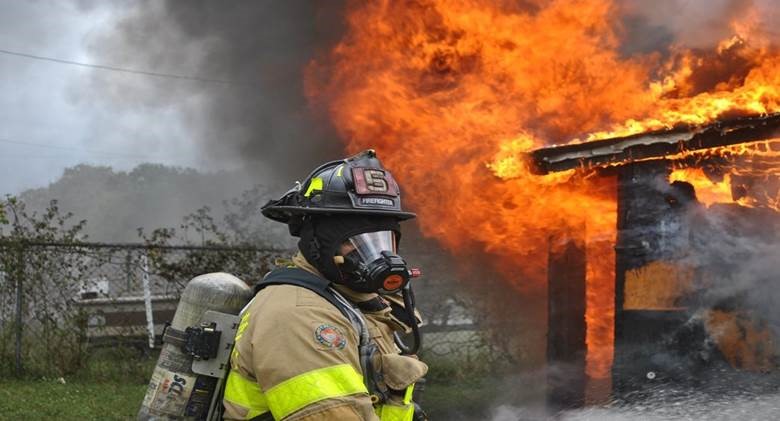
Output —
<point x="747" y="174"/>
<point x="707" y="191"/>
<point x="451" y="93"/>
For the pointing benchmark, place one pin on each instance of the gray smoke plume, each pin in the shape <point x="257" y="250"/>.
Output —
<point x="250" y="111"/>
<point x="738" y="250"/>
<point x="260" y="117"/>
<point x="656" y="25"/>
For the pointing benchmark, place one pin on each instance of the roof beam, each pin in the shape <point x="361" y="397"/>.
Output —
<point x="655" y="144"/>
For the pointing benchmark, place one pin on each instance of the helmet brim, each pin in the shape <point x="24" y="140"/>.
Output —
<point x="283" y="213"/>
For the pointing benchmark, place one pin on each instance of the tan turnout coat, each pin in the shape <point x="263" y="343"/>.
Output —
<point x="281" y="341"/>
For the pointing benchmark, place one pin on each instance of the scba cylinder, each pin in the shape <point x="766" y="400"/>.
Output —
<point x="175" y="392"/>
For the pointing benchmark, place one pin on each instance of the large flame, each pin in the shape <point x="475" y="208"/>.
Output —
<point x="451" y="92"/>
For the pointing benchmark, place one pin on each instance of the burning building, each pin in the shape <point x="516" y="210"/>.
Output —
<point x="692" y="296"/>
<point x="656" y="215"/>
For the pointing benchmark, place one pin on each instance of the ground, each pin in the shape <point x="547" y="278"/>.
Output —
<point x="50" y="399"/>
<point x="112" y="384"/>
<point x="84" y="400"/>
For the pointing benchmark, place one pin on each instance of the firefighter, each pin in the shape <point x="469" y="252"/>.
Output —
<point x="321" y="338"/>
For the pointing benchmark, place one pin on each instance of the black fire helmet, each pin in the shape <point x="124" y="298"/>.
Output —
<point x="337" y="200"/>
<point x="358" y="185"/>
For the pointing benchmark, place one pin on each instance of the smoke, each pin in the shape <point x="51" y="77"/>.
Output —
<point x="736" y="250"/>
<point x="673" y="405"/>
<point x="252" y="112"/>
<point x="260" y="118"/>
<point x="657" y="25"/>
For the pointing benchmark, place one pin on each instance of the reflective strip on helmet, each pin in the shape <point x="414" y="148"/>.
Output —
<point x="245" y="393"/>
<point x="315" y="184"/>
<point x="340" y="170"/>
<point x="313" y="386"/>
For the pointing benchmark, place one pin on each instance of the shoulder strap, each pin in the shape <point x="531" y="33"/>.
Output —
<point x="304" y="279"/>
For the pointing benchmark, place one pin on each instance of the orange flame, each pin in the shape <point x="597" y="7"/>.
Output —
<point x="452" y="92"/>
<point x="749" y="175"/>
<point x="707" y="191"/>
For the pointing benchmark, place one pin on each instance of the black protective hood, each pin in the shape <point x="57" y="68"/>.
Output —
<point x="321" y="236"/>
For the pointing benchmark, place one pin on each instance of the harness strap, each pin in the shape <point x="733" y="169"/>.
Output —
<point x="322" y="287"/>
<point x="303" y="279"/>
<point x="174" y="337"/>
<point x="373" y="305"/>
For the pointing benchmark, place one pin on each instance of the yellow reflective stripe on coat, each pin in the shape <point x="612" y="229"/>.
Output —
<point x="389" y="412"/>
<point x="244" y="322"/>
<point x="313" y="386"/>
<point x="408" y="395"/>
<point x="245" y="393"/>
<point x="403" y="412"/>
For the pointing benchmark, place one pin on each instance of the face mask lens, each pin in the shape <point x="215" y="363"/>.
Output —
<point x="370" y="245"/>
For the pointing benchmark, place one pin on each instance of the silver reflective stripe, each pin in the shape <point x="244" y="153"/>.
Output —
<point x="365" y="348"/>
<point x="355" y="317"/>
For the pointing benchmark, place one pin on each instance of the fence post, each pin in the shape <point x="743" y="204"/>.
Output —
<point x="128" y="271"/>
<point x="148" y="299"/>
<point x="19" y="307"/>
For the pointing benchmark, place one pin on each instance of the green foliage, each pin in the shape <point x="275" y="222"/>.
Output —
<point x="200" y="229"/>
<point x="49" y="280"/>
<point x="3" y="218"/>
<point x="45" y="253"/>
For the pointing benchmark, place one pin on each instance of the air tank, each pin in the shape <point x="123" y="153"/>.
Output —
<point x="175" y="392"/>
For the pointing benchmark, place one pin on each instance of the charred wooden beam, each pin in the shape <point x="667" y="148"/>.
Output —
<point x="566" y="348"/>
<point x="656" y="144"/>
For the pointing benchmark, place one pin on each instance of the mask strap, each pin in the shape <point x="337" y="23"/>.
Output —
<point x="412" y="349"/>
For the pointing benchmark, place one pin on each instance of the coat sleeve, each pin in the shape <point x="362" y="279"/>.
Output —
<point x="305" y="358"/>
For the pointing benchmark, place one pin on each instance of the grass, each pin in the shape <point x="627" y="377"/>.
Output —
<point x="112" y="385"/>
<point x="85" y="400"/>
<point x="49" y="399"/>
<point x="460" y="389"/>
<point x="459" y="400"/>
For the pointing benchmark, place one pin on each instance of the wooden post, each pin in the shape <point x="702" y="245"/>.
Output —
<point x="566" y="348"/>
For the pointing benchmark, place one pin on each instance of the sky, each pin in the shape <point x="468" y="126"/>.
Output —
<point x="54" y="115"/>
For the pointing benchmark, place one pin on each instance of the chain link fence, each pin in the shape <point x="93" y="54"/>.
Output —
<point x="58" y="300"/>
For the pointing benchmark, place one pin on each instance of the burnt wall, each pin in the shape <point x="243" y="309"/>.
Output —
<point x="651" y="281"/>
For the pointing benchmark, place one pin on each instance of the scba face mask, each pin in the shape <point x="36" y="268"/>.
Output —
<point x="373" y="264"/>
